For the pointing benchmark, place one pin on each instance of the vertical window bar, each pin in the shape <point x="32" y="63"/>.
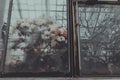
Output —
<point x="19" y="8"/>
<point x="78" y="31"/>
<point x="56" y="11"/>
<point x="7" y="34"/>
<point x="47" y="7"/>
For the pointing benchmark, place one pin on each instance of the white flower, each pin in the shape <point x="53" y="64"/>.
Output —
<point x="46" y="32"/>
<point x="52" y="35"/>
<point x="12" y="29"/>
<point x="29" y="29"/>
<point x="20" y="53"/>
<point x="25" y="24"/>
<point x="44" y="21"/>
<point x="10" y="44"/>
<point x="12" y="60"/>
<point x="60" y="38"/>
<point x="23" y="37"/>
<point x="15" y="55"/>
<point x="45" y="37"/>
<point x="53" y="43"/>
<point x="15" y="35"/>
<point x="53" y="27"/>
<point x="32" y="26"/>
<point x="46" y="50"/>
<point x="41" y="59"/>
<point x="113" y="32"/>
<point x="28" y="39"/>
<point x="62" y="30"/>
<point x="22" y="45"/>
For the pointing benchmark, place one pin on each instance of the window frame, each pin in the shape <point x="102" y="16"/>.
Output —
<point x="77" y="4"/>
<point x="41" y="74"/>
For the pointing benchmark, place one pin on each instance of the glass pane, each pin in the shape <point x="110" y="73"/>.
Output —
<point x="99" y="33"/>
<point x="38" y="37"/>
<point x="1" y="52"/>
<point x="2" y="33"/>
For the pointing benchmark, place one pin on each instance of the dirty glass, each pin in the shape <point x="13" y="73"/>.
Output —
<point x="38" y="37"/>
<point x="1" y="52"/>
<point x="2" y="33"/>
<point x="99" y="39"/>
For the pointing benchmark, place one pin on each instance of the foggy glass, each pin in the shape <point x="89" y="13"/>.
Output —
<point x="38" y="37"/>
<point x="99" y="32"/>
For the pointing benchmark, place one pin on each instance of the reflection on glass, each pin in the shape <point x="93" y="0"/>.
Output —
<point x="99" y="39"/>
<point x="38" y="37"/>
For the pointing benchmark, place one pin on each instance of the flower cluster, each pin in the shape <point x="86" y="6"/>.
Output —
<point x="59" y="37"/>
<point x="37" y="36"/>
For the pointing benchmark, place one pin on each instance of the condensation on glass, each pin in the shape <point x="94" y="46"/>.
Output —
<point x="38" y="37"/>
<point x="99" y="39"/>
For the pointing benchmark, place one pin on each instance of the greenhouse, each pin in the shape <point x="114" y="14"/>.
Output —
<point x="59" y="38"/>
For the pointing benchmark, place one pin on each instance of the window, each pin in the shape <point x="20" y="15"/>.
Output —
<point x="60" y="38"/>
<point x="98" y="39"/>
<point x="36" y="42"/>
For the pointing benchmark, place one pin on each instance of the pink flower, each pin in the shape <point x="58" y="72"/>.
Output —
<point x="53" y="43"/>
<point x="57" y="31"/>
<point x="65" y="33"/>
